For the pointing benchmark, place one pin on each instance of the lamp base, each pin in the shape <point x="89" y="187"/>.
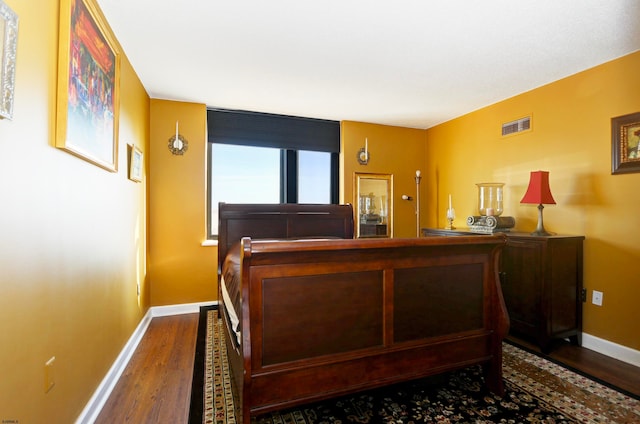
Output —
<point x="540" y="231"/>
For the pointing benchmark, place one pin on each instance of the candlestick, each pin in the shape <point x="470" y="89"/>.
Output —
<point x="177" y="143"/>
<point x="366" y="146"/>
<point x="451" y="215"/>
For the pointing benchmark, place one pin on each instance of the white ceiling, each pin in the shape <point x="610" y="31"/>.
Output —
<point x="413" y="63"/>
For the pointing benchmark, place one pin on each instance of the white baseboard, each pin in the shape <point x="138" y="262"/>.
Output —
<point x="619" y="352"/>
<point x="102" y="393"/>
<point x="185" y="308"/>
<point x="100" y="396"/>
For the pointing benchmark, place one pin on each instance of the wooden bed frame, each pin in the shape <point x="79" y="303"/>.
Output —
<point x="322" y="318"/>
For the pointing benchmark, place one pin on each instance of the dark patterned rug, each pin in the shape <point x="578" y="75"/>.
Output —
<point x="537" y="391"/>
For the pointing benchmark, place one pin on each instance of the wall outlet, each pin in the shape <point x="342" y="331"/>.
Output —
<point x="596" y="298"/>
<point x="49" y="376"/>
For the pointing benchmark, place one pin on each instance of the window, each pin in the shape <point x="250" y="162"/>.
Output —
<point x="314" y="177"/>
<point x="261" y="158"/>
<point x="258" y="180"/>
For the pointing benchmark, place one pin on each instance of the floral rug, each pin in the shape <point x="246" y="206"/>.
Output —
<point x="537" y="391"/>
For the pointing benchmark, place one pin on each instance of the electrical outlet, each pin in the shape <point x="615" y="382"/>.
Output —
<point x="49" y="377"/>
<point x="596" y="298"/>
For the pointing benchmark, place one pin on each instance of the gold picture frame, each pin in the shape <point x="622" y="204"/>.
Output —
<point x="135" y="163"/>
<point x="8" y="49"/>
<point x="625" y="144"/>
<point x="373" y="201"/>
<point x="88" y="85"/>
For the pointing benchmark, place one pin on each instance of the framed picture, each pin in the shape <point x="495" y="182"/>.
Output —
<point x="135" y="164"/>
<point x="88" y="85"/>
<point x="8" y="47"/>
<point x="625" y="144"/>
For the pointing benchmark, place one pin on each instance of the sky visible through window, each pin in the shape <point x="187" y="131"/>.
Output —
<point x="247" y="174"/>
<point x="314" y="177"/>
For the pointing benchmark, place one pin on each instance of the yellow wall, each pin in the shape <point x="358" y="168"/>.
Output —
<point x="571" y="138"/>
<point x="182" y="270"/>
<point x="73" y="239"/>
<point x="393" y="150"/>
<point x="74" y="236"/>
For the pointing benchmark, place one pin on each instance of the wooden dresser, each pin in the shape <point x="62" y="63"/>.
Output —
<point x="542" y="285"/>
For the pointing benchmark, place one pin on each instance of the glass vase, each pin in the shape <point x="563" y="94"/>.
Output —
<point x="490" y="199"/>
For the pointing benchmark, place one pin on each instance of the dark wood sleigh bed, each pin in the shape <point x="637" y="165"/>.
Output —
<point x="320" y="314"/>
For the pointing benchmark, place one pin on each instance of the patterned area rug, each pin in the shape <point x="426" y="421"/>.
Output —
<point x="537" y="391"/>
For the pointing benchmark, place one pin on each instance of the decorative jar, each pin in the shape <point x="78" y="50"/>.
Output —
<point x="490" y="199"/>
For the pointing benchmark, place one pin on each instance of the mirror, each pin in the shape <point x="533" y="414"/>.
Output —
<point x="373" y="202"/>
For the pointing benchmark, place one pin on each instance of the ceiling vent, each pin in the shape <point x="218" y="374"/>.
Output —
<point x="514" y="127"/>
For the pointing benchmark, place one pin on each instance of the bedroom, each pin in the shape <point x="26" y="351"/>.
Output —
<point x="78" y="241"/>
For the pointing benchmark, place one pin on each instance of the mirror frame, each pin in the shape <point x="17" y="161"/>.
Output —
<point x="384" y="227"/>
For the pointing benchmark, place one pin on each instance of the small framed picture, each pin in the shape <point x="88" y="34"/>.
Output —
<point x="625" y="144"/>
<point x="135" y="164"/>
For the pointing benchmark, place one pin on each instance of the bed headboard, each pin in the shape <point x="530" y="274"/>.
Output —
<point x="280" y="221"/>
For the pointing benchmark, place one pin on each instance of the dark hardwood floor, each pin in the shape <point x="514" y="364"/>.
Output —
<point x="602" y="367"/>
<point x="156" y="385"/>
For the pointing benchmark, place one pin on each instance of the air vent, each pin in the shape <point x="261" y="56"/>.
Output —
<point x="514" y="127"/>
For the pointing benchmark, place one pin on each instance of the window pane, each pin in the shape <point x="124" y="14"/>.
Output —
<point x="314" y="177"/>
<point x="243" y="174"/>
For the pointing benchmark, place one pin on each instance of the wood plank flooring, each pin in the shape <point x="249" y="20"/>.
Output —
<point x="156" y="385"/>
<point x="620" y="374"/>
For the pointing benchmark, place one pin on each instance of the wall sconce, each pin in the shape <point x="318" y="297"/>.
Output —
<point x="539" y="193"/>
<point x="405" y="197"/>
<point x="363" y="153"/>
<point x="178" y="145"/>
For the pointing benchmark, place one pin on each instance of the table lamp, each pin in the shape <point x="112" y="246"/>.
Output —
<point x="539" y="193"/>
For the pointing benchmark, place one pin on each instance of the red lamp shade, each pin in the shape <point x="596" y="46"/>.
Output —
<point x="538" y="191"/>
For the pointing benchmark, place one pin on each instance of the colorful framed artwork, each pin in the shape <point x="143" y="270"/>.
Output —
<point x="88" y="85"/>
<point x="8" y="48"/>
<point x="135" y="164"/>
<point x="625" y="144"/>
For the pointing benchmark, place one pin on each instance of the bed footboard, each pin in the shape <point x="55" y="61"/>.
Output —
<point x="326" y="318"/>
